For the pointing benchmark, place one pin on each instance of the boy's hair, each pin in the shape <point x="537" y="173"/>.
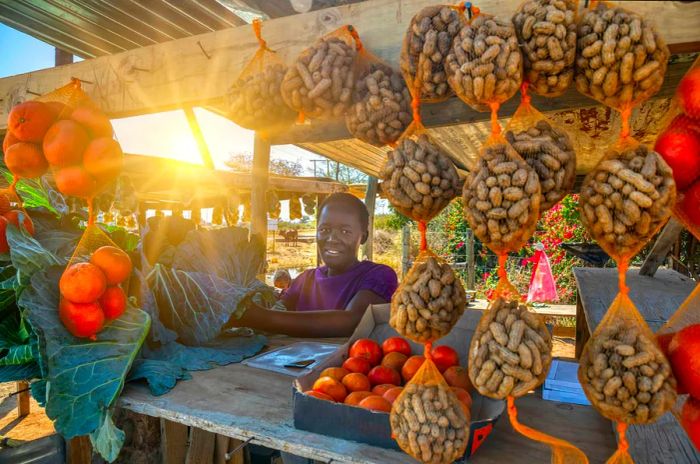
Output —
<point x="349" y="202"/>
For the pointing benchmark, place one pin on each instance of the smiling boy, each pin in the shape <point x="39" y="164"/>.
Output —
<point x="329" y="301"/>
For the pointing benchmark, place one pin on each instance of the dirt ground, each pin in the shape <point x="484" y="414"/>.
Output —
<point x="35" y="425"/>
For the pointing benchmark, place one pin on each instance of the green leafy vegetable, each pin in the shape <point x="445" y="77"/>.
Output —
<point x="21" y="372"/>
<point x="107" y="439"/>
<point x="161" y="375"/>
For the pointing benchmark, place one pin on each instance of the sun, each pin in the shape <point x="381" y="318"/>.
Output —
<point x="183" y="147"/>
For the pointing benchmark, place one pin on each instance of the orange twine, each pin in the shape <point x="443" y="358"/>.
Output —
<point x="415" y="106"/>
<point x="422" y="228"/>
<point x="622" y="267"/>
<point x="524" y="96"/>
<point x="427" y="349"/>
<point x="359" y="46"/>
<point x="622" y="443"/>
<point x="502" y="258"/>
<point x="495" y="126"/>
<point x="257" y="28"/>
<point x="625" y="114"/>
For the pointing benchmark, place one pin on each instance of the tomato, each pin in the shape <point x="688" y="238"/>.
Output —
<point x="368" y="349"/>
<point x="690" y="420"/>
<point x="381" y="374"/>
<point x="83" y="320"/>
<point x="680" y="149"/>
<point x="690" y="204"/>
<point x="684" y="354"/>
<point x="444" y="357"/>
<point x="396" y="344"/>
<point x="689" y="93"/>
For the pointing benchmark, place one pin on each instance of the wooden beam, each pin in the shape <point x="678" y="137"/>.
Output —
<point x="173" y="442"/>
<point x="664" y="242"/>
<point x="370" y="200"/>
<point x="199" y="70"/>
<point x="258" y="198"/>
<point x="79" y="450"/>
<point x="23" y="399"/>
<point x="62" y="57"/>
<point x="199" y="137"/>
<point x="201" y="450"/>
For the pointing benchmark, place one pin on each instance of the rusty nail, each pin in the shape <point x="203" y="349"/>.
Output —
<point x="230" y="454"/>
<point x="203" y="51"/>
<point x="33" y="93"/>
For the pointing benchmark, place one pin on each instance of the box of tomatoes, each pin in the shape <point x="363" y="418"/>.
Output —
<point x="349" y="394"/>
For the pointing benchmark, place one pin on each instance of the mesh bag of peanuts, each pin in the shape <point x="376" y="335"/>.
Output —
<point x="381" y="103"/>
<point x="425" y="46"/>
<point x="621" y="60"/>
<point x="427" y="420"/>
<point x="484" y="66"/>
<point x="320" y="82"/>
<point x="547" y="148"/>
<point x="626" y="198"/>
<point x="429" y="301"/>
<point x="546" y="31"/>
<point x="502" y="196"/>
<point x="255" y="99"/>
<point x="418" y="178"/>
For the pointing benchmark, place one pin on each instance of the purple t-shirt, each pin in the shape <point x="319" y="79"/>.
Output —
<point x="314" y="290"/>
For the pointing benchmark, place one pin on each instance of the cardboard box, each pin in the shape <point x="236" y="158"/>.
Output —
<point x="361" y="425"/>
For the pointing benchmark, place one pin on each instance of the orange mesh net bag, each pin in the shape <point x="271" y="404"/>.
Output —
<point x="484" y="65"/>
<point x="255" y="99"/>
<point x="546" y="32"/>
<point x="679" y="145"/>
<point x="429" y="301"/>
<point x="510" y="355"/>
<point x="621" y="60"/>
<point x="381" y="108"/>
<point x="546" y="147"/>
<point x="427" y="419"/>
<point x="425" y="47"/>
<point x="320" y="82"/>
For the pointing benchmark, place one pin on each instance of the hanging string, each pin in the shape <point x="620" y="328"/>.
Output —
<point x="495" y="126"/>
<point x="257" y="29"/>
<point x="622" y="267"/>
<point x="502" y="274"/>
<point x="625" y="114"/>
<point x="427" y="350"/>
<point x="622" y="443"/>
<point x="359" y="46"/>
<point x="524" y="96"/>
<point x="423" y="228"/>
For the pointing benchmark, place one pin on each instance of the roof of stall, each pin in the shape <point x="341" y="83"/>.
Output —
<point x="163" y="54"/>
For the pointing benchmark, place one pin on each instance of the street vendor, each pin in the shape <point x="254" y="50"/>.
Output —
<point x="329" y="301"/>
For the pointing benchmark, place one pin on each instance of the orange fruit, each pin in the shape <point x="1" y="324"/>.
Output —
<point x="336" y="372"/>
<point x="383" y="388"/>
<point x="464" y="398"/>
<point x="30" y="120"/>
<point x="25" y="159"/>
<point x="396" y="344"/>
<point x="5" y="206"/>
<point x="75" y="181"/>
<point x="391" y="394"/>
<point x="360" y="365"/>
<point x="64" y="143"/>
<point x="356" y="382"/>
<point x="113" y="302"/>
<point x="354" y="398"/>
<point x="83" y="320"/>
<point x="411" y="366"/>
<point x="4" y="246"/>
<point x="59" y="110"/>
<point x="331" y="387"/>
<point x="9" y="139"/>
<point x="375" y="403"/>
<point x="380" y="375"/>
<point x="103" y="159"/>
<point x="12" y="217"/>
<point x="394" y="360"/>
<point x="114" y="262"/>
<point x="94" y="120"/>
<point x="366" y="348"/>
<point x="82" y="283"/>
<point x="319" y="395"/>
<point x="457" y="376"/>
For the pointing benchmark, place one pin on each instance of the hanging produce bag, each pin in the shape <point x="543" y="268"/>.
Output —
<point x="427" y="419"/>
<point x="546" y="147"/>
<point x="320" y="82"/>
<point x="255" y="100"/>
<point x="381" y="108"/>
<point x="93" y="285"/>
<point x="484" y="66"/>
<point x="621" y="60"/>
<point x="679" y="145"/>
<point x="543" y="287"/>
<point x="546" y="31"/>
<point x="273" y="205"/>
<point x="294" y="207"/>
<point x="429" y="301"/>
<point x="425" y="47"/>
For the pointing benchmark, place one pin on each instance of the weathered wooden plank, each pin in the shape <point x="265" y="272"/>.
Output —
<point x="23" y="399"/>
<point x="663" y="441"/>
<point x="243" y="403"/>
<point x="236" y="452"/>
<point x="370" y="200"/>
<point x="198" y="70"/>
<point x="258" y="198"/>
<point x="79" y="450"/>
<point x="201" y="450"/>
<point x="664" y="242"/>
<point x="174" y="441"/>
<point x="220" y="449"/>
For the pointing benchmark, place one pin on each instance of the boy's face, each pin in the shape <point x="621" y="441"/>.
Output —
<point x="339" y="234"/>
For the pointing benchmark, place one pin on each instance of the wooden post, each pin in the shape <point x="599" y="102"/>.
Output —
<point x="220" y="449"/>
<point x="79" y="450"/>
<point x="258" y="201"/>
<point x="665" y="241"/>
<point x="199" y="138"/>
<point x="201" y="449"/>
<point x="370" y="201"/>
<point x="471" y="261"/>
<point x="173" y="442"/>
<point x="319" y="199"/>
<point x="22" y="399"/>
<point x="405" y="250"/>
<point x="582" y="331"/>
<point x="239" y="456"/>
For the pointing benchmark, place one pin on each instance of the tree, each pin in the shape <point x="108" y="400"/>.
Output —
<point x="243" y="162"/>
<point x="340" y="172"/>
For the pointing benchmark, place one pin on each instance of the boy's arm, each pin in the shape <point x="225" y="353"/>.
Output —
<point x="334" y="323"/>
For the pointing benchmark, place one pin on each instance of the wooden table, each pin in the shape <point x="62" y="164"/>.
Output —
<point x="656" y="298"/>
<point x="242" y="402"/>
